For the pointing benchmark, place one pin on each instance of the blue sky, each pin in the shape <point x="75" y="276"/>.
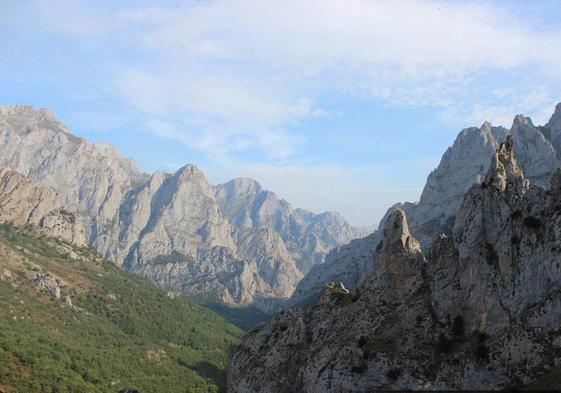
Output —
<point x="335" y="105"/>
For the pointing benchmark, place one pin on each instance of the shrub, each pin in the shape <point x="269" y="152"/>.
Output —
<point x="458" y="326"/>
<point x="443" y="345"/>
<point x="532" y="222"/>
<point x="393" y="373"/>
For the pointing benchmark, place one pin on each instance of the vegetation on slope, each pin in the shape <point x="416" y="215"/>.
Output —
<point x="119" y="332"/>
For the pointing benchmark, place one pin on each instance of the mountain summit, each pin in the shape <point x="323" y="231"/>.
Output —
<point x="465" y="163"/>
<point x="478" y="310"/>
<point x="233" y="243"/>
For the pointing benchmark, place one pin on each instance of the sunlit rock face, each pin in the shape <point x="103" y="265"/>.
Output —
<point x="22" y="203"/>
<point x="479" y="309"/>
<point x="466" y="162"/>
<point x="234" y="243"/>
<point x="308" y="237"/>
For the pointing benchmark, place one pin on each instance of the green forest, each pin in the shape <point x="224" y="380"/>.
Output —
<point x="119" y="332"/>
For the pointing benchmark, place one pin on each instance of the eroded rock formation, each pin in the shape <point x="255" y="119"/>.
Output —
<point x="480" y="309"/>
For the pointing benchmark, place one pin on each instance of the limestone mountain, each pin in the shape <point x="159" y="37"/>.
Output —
<point x="479" y="309"/>
<point x="463" y="164"/>
<point x="307" y="236"/>
<point x="22" y="204"/>
<point x="235" y="242"/>
<point x="171" y="230"/>
<point x="90" y="179"/>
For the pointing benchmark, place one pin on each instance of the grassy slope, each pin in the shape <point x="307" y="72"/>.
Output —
<point x="121" y="332"/>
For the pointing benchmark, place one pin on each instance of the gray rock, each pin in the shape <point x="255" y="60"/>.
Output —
<point x="90" y="179"/>
<point x="479" y="311"/>
<point x="235" y="242"/>
<point x="5" y="275"/>
<point x="46" y="282"/>
<point x="463" y="164"/>
<point x="307" y="236"/>
<point x="22" y="203"/>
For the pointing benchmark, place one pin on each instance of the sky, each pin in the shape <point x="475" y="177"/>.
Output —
<point x="340" y="105"/>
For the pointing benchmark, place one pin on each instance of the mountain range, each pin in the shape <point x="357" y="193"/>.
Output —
<point x="538" y="152"/>
<point x="459" y="290"/>
<point x="233" y="243"/>
<point x="477" y="309"/>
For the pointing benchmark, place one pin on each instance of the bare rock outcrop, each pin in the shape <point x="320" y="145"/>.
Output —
<point x="466" y="162"/>
<point x="22" y="203"/>
<point x="90" y="179"/>
<point x="234" y="243"/>
<point x="478" y="310"/>
<point x="307" y="236"/>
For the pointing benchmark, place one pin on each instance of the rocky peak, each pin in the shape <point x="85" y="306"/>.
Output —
<point x="482" y="313"/>
<point x="535" y="153"/>
<point x="554" y="122"/>
<point x="242" y="185"/>
<point x="553" y="128"/>
<point x="504" y="170"/>
<point x="396" y="236"/>
<point x="398" y="258"/>
<point x="521" y="121"/>
<point x="487" y="128"/>
<point x="462" y="165"/>
<point x="307" y="236"/>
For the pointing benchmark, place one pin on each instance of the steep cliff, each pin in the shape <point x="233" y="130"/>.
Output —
<point x="22" y="203"/>
<point x="235" y="242"/>
<point x="463" y="164"/>
<point x="478" y="310"/>
<point x="307" y="236"/>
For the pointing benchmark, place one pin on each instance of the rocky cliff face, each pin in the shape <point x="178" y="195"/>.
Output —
<point x="478" y="310"/>
<point x="235" y="242"/>
<point x="22" y="203"/>
<point x="90" y="179"/>
<point x="348" y="264"/>
<point x="538" y="151"/>
<point x="172" y="231"/>
<point x="307" y="236"/>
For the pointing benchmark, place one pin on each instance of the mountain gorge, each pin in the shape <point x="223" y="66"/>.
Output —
<point x="460" y="290"/>
<point x="234" y="243"/>
<point x="476" y="309"/>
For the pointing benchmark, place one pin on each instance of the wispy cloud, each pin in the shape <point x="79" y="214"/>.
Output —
<point x="240" y="72"/>
<point x="239" y="81"/>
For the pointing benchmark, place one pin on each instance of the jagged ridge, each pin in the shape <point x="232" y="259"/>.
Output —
<point x="463" y="164"/>
<point x="175" y="229"/>
<point x="479" y="310"/>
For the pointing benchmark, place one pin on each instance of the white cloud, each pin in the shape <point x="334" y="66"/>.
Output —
<point x="240" y="72"/>
<point x="230" y="77"/>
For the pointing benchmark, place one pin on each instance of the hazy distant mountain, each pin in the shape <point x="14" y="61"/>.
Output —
<point x="477" y="310"/>
<point x="307" y="236"/>
<point x="537" y="148"/>
<point x="234" y="242"/>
